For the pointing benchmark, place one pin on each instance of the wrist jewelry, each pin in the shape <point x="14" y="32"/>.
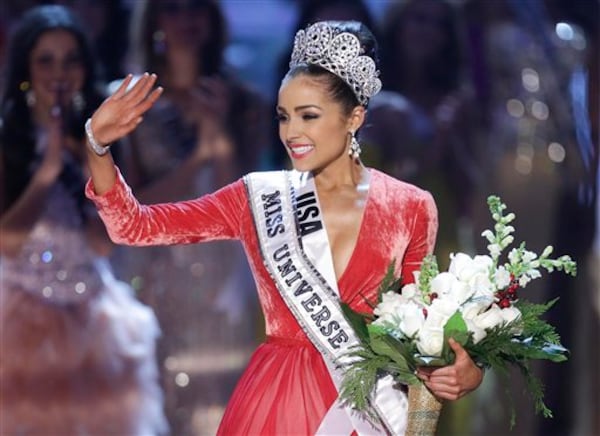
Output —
<point x="98" y="149"/>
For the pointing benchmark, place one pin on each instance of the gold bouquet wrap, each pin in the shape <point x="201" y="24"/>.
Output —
<point x="423" y="411"/>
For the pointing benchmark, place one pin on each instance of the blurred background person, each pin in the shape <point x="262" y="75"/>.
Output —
<point x="77" y="347"/>
<point x="106" y="23"/>
<point x="535" y="67"/>
<point x="207" y="130"/>
<point x="421" y="128"/>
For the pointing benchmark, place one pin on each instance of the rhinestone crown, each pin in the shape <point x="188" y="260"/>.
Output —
<point x="339" y="53"/>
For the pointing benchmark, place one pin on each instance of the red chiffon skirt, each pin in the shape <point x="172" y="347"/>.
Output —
<point x="286" y="390"/>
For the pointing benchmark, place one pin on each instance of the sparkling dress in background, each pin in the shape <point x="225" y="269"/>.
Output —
<point x="78" y="350"/>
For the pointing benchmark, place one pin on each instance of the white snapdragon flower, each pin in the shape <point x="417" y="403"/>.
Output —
<point x="523" y="280"/>
<point x="494" y="250"/>
<point x="513" y="256"/>
<point x="501" y="277"/>
<point x="482" y="286"/>
<point x="529" y="256"/>
<point x="410" y="291"/>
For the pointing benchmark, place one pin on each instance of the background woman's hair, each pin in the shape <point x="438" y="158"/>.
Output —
<point x="17" y="130"/>
<point x="144" y="26"/>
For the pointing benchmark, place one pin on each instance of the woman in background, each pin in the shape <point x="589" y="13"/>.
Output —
<point x="207" y="130"/>
<point x="77" y="348"/>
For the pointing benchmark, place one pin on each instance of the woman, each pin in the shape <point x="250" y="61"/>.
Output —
<point x="77" y="348"/>
<point x="204" y="133"/>
<point x="306" y="232"/>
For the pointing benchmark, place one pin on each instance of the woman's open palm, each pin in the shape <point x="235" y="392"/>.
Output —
<point x="122" y="111"/>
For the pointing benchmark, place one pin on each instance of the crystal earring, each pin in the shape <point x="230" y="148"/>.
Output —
<point x="159" y="43"/>
<point x="25" y="87"/>
<point x="354" y="150"/>
<point x="30" y="98"/>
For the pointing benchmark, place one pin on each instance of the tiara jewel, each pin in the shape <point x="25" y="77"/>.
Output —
<point x="339" y="53"/>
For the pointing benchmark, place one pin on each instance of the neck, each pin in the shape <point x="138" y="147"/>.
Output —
<point x="340" y="175"/>
<point x="183" y="67"/>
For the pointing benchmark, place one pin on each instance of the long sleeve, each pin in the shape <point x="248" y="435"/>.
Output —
<point x="210" y="217"/>
<point x="422" y="241"/>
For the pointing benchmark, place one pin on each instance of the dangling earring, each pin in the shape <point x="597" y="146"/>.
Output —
<point x="25" y="86"/>
<point x="78" y="102"/>
<point x="354" y="150"/>
<point x="30" y="98"/>
<point x="159" y="45"/>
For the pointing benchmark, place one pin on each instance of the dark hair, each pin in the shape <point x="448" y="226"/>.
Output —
<point x="17" y="130"/>
<point x="337" y="88"/>
<point x="443" y="70"/>
<point x="145" y="24"/>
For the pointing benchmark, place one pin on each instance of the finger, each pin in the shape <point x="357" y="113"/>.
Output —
<point x="146" y="104"/>
<point x="136" y="91"/>
<point x="457" y="348"/>
<point x="120" y="92"/>
<point x="147" y="86"/>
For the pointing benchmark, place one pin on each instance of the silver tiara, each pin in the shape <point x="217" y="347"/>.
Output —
<point x="341" y="54"/>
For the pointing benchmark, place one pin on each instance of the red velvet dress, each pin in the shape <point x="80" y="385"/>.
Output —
<point x="286" y="388"/>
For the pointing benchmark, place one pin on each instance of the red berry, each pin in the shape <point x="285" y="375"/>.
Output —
<point x="504" y="303"/>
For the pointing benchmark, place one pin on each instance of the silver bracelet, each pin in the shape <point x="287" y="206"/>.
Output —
<point x="98" y="149"/>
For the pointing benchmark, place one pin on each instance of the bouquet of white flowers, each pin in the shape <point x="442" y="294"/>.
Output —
<point x="477" y="302"/>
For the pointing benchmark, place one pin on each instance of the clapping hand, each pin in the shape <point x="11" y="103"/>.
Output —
<point x="121" y="112"/>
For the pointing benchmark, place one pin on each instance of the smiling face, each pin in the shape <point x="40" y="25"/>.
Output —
<point x="56" y="68"/>
<point x="313" y="127"/>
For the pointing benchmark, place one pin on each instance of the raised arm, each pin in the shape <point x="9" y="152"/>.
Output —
<point x="116" y="117"/>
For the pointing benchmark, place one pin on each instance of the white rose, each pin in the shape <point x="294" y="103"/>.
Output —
<point x="464" y="267"/>
<point x="478" y="333"/>
<point x="475" y="307"/>
<point x="390" y="304"/>
<point x="439" y="311"/>
<point x="411" y="319"/>
<point x="431" y="341"/>
<point x="442" y="283"/>
<point x="511" y="314"/>
<point x="490" y="318"/>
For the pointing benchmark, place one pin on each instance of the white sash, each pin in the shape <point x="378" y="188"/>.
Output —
<point x="296" y="253"/>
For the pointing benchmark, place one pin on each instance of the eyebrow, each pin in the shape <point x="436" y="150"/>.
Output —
<point x="299" y="108"/>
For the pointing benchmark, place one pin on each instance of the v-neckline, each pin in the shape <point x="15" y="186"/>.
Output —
<point x="360" y="231"/>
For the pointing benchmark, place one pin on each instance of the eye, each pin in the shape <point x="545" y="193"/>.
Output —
<point x="74" y="60"/>
<point x="44" y="61"/>
<point x="309" y="116"/>
<point x="281" y="118"/>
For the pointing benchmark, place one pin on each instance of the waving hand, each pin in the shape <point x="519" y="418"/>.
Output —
<point x="121" y="112"/>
